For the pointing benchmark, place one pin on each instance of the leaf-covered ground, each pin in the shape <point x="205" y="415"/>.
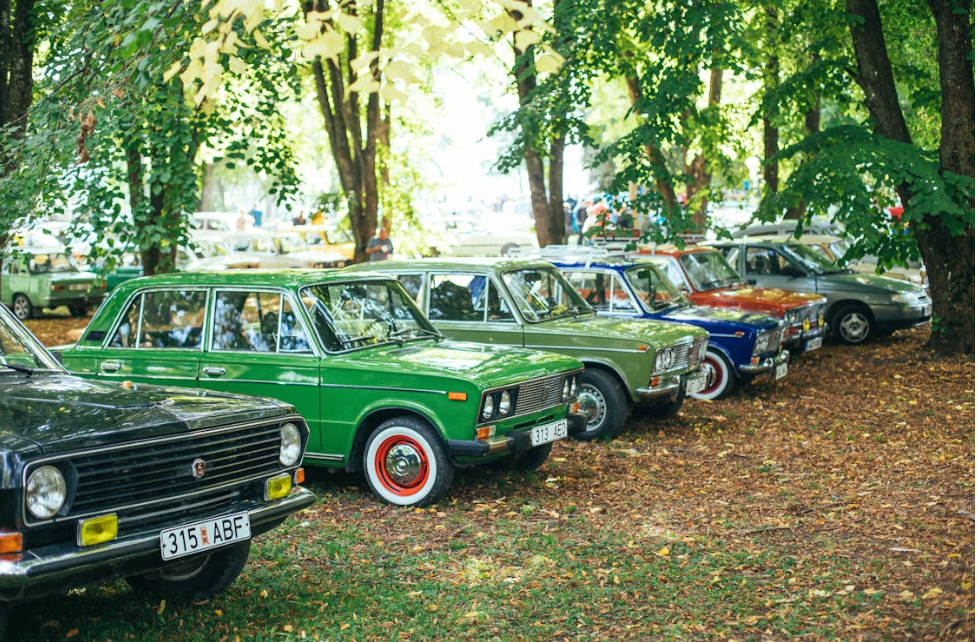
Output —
<point x="836" y="504"/>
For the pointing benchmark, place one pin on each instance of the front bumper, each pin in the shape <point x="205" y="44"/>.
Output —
<point x="765" y="365"/>
<point x="514" y="442"/>
<point x="796" y="336"/>
<point x="668" y="386"/>
<point x="889" y="318"/>
<point x="58" y="567"/>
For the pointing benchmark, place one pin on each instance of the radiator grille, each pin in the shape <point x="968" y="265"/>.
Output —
<point x="540" y="394"/>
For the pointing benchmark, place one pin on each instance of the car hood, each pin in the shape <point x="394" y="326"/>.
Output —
<point x="861" y="282"/>
<point x="59" y="413"/>
<point x="616" y="333"/>
<point x="771" y="300"/>
<point x="484" y="365"/>
<point x="714" y="319"/>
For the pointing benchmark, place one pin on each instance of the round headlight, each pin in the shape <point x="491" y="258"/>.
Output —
<point x="664" y="359"/>
<point x="566" y="389"/>
<point x="291" y="448"/>
<point x="505" y="403"/>
<point x="488" y="407"/>
<point x="573" y="387"/>
<point x="45" y="492"/>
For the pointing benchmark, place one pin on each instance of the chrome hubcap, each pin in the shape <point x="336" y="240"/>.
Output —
<point x="592" y="404"/>
<point x="854" y="327"/>
<point x="20" y="308"/>
<point x="403" y="464"/>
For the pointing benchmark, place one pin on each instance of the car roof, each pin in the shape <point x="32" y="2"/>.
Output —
<point x="483" y="263"/>
<point x="805" y="239"/>
<point x="256" y="278"/>
<point x="674" y="250"/>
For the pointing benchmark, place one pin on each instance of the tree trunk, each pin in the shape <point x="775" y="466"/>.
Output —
<point x="211" y="192"/>
<point x="771" y="133"/>
<point x="557" y="233"/>
<point x="18" y="39"/>
<point x="812" y="125"/>
<point x="663" y="179"/>
<point x="699" y="176"/>
<point x="949" y="258"/>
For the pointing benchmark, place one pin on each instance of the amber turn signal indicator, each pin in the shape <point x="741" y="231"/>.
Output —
<point x="458" y="396"/>
<point x="299" y="476"/>
<point x="485" y="432"/>
<point x="11" y="541"/>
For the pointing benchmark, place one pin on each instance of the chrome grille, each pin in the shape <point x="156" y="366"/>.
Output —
<point x="539" y="394"/>
<point x="687" y="354"/>
<point x="153" y="477"/>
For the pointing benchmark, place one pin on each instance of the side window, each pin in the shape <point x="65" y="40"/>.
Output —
<point x="453" y="297"/>
<point x="761" y="261"/>
<point x="620" y="299"/>
<point x="413" y="283"/>
<point x="247" y="321"/>
<point x="171" y="319"/>
<point x="291" y="335"/>
<point x="498" y="309"/>
<point x="593" y="287"/>
<point x="125" y="335"/>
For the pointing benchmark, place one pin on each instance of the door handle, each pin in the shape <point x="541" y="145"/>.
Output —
<point x="111" y="366"/>
<point x="212" y="371"/>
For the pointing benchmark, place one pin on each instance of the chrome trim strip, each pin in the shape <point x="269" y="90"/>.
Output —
<point x="590" y="349"/>
<point x="264" y="382"/>
<point x="340" y="385"/>
<point x="132" y="375"/>
<point x="34" y="463"/>
<point x="325" y="456"/>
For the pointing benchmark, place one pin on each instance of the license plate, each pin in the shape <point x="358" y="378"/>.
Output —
<point x="812" y="344"/>
<point x="205" y="535"/>
<point x="548" y="432"/>
<point x="927" y="309"/>
<point x="77" y="287"/>
<point x="695" y="383"/>
<point x="781" y="371"/>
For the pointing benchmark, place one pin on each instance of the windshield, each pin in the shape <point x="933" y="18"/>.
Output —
<point x="19" y="348"/>
<point x="810" y="258"/>
<point x="543" y="293"/>
<point x="50" y="264"/>
<point x="355" y="314"/>
<point x="653" y="289"/>
<point x="709" y="270"/>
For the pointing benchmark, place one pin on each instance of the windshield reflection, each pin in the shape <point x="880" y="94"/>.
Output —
<point x="653" y="289"/>
<point x="349" y="315"/>
<point x="709" y="270"/>
<point x="810" y="259"/>
<point x="543" y="293"/>
<point x="19" y="349"/>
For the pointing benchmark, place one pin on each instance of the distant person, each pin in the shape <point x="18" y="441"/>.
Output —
<point x="299" y="220"/>
<point x="256" y="216"/>
<point x="380" y="247"/>
<point x="242" y="220"/>
<point x="581" y="218"/>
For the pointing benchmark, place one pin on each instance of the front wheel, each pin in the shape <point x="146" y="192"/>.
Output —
<point x="406" y="463"/>
<point x="78" y="309"/>
<point x="197" y="577"/>
<point x="603" y="402"/>
<point x="719" y="377"/>
<point x="23" y="309"/>
<point x="853" y="325"/>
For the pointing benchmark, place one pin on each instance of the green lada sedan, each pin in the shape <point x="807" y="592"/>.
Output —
<point x="630" y="363"/>
<point x="380" y="388"/>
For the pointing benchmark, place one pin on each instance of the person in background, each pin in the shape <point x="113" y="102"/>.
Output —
<point x="256" y="215"/>
<point x="380" y="247"/>
<point x="581" y="215"/>
<point x="243" y="220"/>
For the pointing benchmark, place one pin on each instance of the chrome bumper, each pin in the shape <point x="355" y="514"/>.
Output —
<point x="513" y="442"/>
<point x="799" y="338"/>
<point x="54" y="568"/>
<point x="668" y="387"/>
<point x="766" y="365"/>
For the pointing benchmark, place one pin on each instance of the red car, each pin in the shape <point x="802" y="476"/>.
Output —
<point x="709" y="280"/>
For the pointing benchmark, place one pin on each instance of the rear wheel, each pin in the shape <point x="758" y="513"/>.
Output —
<point x="78" y="309"/>
<point x="719" y="376"/>
<point x="197" y="577"/>
<point x="603" y="402"/>
<point x="23" y="309"/>
<point x="406" y="464"/>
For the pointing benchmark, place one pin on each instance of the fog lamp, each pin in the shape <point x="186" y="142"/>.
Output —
<point x="278" y="487"/>
<point x="96" y="530"/>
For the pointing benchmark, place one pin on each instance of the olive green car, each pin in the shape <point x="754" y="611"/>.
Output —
<point x="639" y="363"/>
<point x="38" y="278"/>
<point x="380" y="388"/>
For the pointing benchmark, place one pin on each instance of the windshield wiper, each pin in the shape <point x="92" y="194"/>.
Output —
<point x="24" y="369"/>
<point x="400" y="333"/>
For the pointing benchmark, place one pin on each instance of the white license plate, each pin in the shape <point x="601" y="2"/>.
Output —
<point x="812" y="344"/>
<point x="781" y="371"/>
<point x="548" y="432"/>
<point x="205" y="535"/>
<point x="77" y="287"/>
<point x="695" y="383"/>
<point x="927" y="309"/>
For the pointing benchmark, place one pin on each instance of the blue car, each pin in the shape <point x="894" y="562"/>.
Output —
<point x="742" y="345"/>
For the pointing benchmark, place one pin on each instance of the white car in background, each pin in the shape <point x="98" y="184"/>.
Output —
<point x="489" y="234"/>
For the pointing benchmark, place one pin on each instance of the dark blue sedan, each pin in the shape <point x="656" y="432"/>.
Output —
<point x="742" y="345"/>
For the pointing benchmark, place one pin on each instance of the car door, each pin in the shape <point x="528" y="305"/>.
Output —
<point x="471" y="307"/>
<point x="258" y="345"/>
<point x="157" y="339"/>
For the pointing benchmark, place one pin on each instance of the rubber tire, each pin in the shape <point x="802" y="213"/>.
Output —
<point x="846" y="311"/>
<point x="508" y="247"/>
<point x="213" y="573"/>
<point x="78" y="310"/>
<point x="615" y="404"/>
<point x="664" y="410"/>
<point x="440" y="470"/>
<point x="716" y="363"/>
<point x="527" y="461"/>
<point x="22" y="307"/>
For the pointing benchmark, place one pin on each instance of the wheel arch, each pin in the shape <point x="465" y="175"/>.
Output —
<point x="840" y="304"/>
<point x="374" y="418"/>
<point x="594" y="364"/>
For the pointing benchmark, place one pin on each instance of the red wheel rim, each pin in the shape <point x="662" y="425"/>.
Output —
<point x="399" y="448"/>
<point x="717" y="375"/>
